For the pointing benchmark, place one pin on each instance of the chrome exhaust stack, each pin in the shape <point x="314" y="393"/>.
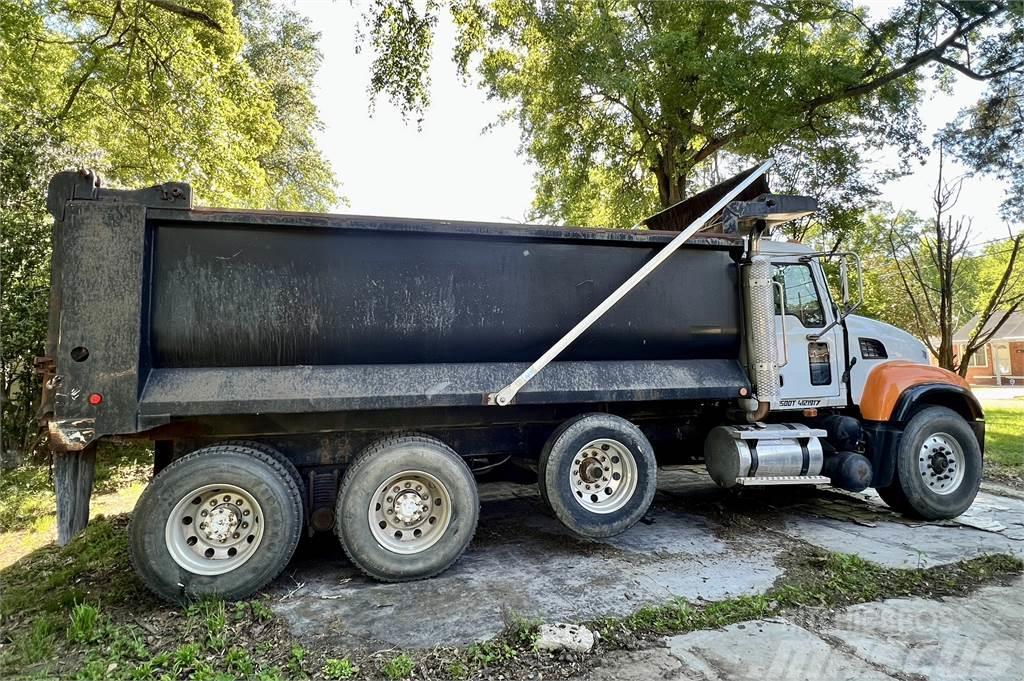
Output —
<point x="762" y="351"/>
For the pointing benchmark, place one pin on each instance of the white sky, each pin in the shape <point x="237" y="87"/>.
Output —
<point x="451" y="169"/>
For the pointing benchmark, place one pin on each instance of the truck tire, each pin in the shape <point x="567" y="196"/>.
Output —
<point x="407" y="508"/>
<point x="938" y="466"/>
<point x="545" y="454"/>
<point x="223" y="520"/>
<point x="598" y="475"/>
<point x="285" y="462"/>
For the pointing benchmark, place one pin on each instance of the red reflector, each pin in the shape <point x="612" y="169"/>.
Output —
<point x="95" y="399"/>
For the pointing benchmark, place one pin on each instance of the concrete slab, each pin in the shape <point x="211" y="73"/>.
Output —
<point x="865" y="527"/>
<point x="701" y="542"/>
<point x="978" y="638"/>
<point x="523" y="561"/>
<point x="765" y="649"/>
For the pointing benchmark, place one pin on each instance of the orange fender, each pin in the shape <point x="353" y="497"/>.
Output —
<point x="886" y="383"/>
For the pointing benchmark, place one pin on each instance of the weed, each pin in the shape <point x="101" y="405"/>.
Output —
<point x="489" y="653"/>
<point x="458" y="671"/>
<point x="261" y="612"/>
<point x="398" y="667"/>
<point x="210" y="616"/>
<point x="339" y="669"/>
<point x="186" y="655"/>
<point x="85" y="624"/>
<point x="272" y="674"/>
<point x="295" y="658"/>
<point x="521" y="631"/>
<point x="239" y="661"/>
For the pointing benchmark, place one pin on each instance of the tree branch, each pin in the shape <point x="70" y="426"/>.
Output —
<point x="191" y="14"/>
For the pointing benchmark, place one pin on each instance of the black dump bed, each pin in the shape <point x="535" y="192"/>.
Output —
<point x="192" y="312"/>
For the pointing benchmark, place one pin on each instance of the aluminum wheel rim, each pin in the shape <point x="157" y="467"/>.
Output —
<point x="603" y="476"/>
<point x="410" y="512"/>
<point x="941" y="463"/>
<point x="214" y="529"/>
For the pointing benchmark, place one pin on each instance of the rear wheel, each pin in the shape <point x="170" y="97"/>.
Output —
<point x="938" y="466"/>
<point x="223" y="520"/>
<point x="286" y="464"/>
<point x="598" y="475"/>
<point x="407" y="508"/>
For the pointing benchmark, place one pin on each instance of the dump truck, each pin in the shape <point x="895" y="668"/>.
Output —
<point x="301" y="373"/>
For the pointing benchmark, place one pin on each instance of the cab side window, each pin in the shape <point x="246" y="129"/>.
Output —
<point x="801" y="294"/>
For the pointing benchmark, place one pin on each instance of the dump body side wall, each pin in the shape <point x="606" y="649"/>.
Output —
<point x="234" y="296"/>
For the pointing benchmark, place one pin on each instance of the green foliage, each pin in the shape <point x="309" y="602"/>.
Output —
<point x="398" y="667"/>
<point x="26" y="494"/>
<point x="1004" y="437"/>
<point x="339" y="669"/>
<point x="217" y="94"/>
<point x="296" y="656"/>
<point x="626" y="106"/>
<point x="85" y="623"/>
<point x="400" y="34"/>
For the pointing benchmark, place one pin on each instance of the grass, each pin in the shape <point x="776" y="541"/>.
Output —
<point x="27" y="502"/>
<point x="1004" y="435"/>
<point x="79" y="612"/>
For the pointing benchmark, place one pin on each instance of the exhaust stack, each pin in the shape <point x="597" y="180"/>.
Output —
<point x="762" y="353"/>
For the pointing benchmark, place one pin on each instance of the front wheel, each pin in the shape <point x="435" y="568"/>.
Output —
<point x="223" y="520"/>
<point x="938" y="466"/>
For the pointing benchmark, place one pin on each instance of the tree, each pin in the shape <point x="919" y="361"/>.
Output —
<point x="143" y="91"/>
<point x="932" y="269"/>
<point x="627" y="106"/>
<point x="987" y="134"/>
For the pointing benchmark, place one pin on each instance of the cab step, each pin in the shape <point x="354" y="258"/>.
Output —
<point x="784" y="480"/>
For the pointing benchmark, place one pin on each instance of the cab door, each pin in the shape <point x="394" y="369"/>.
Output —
<point x="810" y="370"/>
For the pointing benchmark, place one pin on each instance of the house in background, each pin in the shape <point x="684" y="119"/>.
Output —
<point x="1001" y="361"/>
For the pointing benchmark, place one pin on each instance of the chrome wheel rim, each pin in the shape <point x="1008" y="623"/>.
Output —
<point x="603" y="476"/>
<point x="410" y="512"/>
<point x="214" y="529"/>
<point x="941" y="462"/>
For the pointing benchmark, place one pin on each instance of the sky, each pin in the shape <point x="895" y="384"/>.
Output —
<point x="450" y="168"/>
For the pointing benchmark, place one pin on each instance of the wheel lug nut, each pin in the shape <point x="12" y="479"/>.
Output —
<point x="245" y="525"/>
<point x="205" y="513"/>
<point x="236" y="535"/>
<point x="246" y="512"/>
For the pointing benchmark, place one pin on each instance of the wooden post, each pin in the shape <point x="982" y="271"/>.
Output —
<point x="73" y="474"/>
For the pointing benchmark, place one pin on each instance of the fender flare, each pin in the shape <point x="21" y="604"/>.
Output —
<point x="957" y="398"/>
<point x="884" y="437"/>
